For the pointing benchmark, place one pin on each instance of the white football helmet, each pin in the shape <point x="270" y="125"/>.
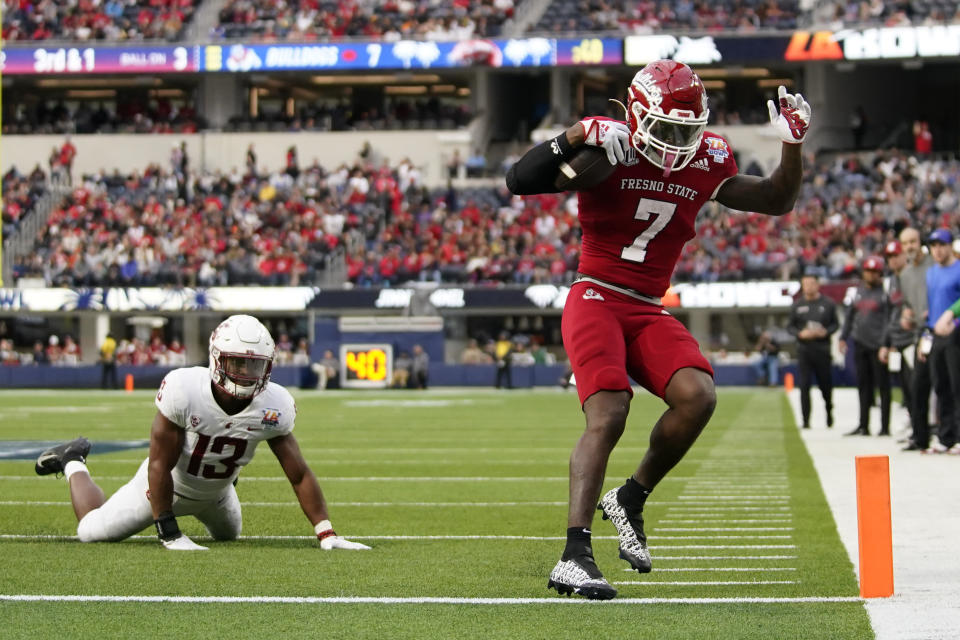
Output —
<point x="241" y="356"/>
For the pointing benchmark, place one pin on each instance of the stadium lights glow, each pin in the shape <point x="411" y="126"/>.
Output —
<point x="99" y="83"/>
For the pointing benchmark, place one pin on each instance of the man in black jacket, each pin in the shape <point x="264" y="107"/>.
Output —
<point x="813" y="319"/>
<point x="866" y="321"/>
<point x="900" y="355"/>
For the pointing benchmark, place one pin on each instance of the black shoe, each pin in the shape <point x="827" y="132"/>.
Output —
<point x="913" y="446"/>
<point x="884" y="432"/>
<point x="581" y="576"/>
<point x="54" y="459"/>
<point x="806" y="425"/>
<point x="629" y="524"/>
<point x="859" y="431"/>
<point x="830" y="418"/>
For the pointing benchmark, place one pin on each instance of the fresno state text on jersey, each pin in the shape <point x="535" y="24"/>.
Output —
<point x="636" y="222"/>
<point x="217" y="444"/>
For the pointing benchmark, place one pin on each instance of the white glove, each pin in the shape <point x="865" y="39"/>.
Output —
<point x="336" y="542"/>
<point x="182" y="543"/>
<point x="612" y="136"/>
<point x="793" y="120"/>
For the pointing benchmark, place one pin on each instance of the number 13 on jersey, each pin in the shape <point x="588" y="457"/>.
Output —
<point x="647" y="207"/>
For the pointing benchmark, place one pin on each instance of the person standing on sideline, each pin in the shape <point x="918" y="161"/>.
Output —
<point x="900" y="356"/>
<point x="108" y="362"/>
<point x="866" y="321"/>
<point x="913" y="280"/>
<point x="503" y="354"/>
<point x="421" y="367"/>
<point x="943" y="289"/>
<point x="634" y="224"/>
<point x="813" y="319"/>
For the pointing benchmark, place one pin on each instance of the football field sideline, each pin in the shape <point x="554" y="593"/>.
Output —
<point x="741" y="537"/>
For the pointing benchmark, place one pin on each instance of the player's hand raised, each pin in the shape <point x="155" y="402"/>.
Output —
<point x="612" y="136"/>
<point x="336" y="542"/>
<point x="793" y="119"/>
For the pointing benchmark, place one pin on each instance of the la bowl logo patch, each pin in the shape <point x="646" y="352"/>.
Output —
<point x="717" y="147"/>
<point x="271" y="418"/>
<point x="194" y="421"/>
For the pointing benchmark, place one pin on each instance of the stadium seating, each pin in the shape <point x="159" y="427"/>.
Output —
<point x="152" y="229"/>
<point x="87" y="20"/>
<point x="267" y="20"/>
<point x="646" y="16"/>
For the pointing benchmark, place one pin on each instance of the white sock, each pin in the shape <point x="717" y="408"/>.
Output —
<point x="73" y="467"/>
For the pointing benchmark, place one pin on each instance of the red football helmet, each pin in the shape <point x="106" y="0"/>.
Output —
<point x="667" y="113"/>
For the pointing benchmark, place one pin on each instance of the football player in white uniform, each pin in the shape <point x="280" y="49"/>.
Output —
<point x="208" y="424"/>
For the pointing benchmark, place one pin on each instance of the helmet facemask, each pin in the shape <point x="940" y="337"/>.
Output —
<point x="241" y="356"/>
<point x="664" y="133"/>
<point x="241" y="375"/>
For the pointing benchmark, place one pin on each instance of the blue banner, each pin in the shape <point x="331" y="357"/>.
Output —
<point x="405" y="54"/>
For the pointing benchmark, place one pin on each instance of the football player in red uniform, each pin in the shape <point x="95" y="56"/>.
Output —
<point x="635" y="223"/>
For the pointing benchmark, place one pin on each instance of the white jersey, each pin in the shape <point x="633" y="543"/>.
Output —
<point x="217" y="444"/>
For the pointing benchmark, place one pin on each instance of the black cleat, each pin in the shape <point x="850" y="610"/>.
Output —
<point x="830" y="418"/>
<point x="633" y="542"/>
<point x="54" y="459"/>
<point x="579" y="575"/>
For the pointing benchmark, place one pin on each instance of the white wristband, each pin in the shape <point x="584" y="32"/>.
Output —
<point x="323" y="525"/>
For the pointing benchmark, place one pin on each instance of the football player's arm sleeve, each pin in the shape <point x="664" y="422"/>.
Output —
<point x="301" y="477"/>
<point x="166" y="442"/>
<point x="955" y="309"/>
<point x="774" y="195"/>
<point x="536" y="171"/>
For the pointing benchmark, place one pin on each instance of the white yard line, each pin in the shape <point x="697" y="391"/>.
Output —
<point x="152" y="538"/>
<point x="681" y="583"/>
<point x="417" y="600"/>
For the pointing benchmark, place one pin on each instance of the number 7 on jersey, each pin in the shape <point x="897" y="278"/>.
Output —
<point x="637" y="252"/>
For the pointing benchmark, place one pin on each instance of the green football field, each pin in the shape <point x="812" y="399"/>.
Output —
<point x="462" y="496"/>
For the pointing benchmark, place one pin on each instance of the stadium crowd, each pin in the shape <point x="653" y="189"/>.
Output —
<point x="87" y="20"/>
<point x="177" y="227"/>
<point x="66" y="352"/>
<point x="389" y="20"/>
<point x="130" y="115"/>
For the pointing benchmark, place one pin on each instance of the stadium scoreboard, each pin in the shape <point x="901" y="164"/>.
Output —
<point x="366" y="366"/>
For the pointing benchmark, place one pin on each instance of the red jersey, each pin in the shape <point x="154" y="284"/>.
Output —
<point x="636" y="222"/>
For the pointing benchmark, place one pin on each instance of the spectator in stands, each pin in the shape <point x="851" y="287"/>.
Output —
<point x="473" y="354"/>
<point x="8" y="354"/>
<point x="301" y="357"/>
<point x="176" y="354"/>
<point x="108" y="363"/>
<point x="53" y="350"/>
<point x="420" y="367"/>
<point x="284" y="353"/>
<point x="66" y="156"/>
<point x="327" y="371"/>
<point x="39" y="354"/>
<point x="922" y="138"/>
